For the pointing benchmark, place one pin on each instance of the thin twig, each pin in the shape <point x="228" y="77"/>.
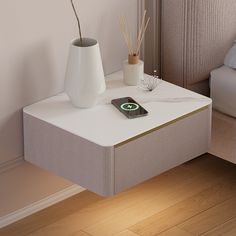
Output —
<point x="128" y="37"/>
<point x="78" y="21"/>
<point x="127" y="34"/>
<point x="124" y="31"/>
<point x="143" y="33"/>
<point x="141" y="29"/>
<point x="124" y="34"/>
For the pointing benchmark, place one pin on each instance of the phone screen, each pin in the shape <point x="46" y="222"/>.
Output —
<point x="129" y="107"/>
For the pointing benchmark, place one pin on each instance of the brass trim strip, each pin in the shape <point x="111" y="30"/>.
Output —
<point x="160" y="127"/>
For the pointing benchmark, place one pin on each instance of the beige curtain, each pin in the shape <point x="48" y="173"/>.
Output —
<point x="191" y="38"/>
<point x="152" y="52"/>
<point x="196" y="35"/>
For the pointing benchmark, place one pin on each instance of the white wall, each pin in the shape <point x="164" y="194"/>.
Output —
<point x="34" y="43"/>
<point x="34" y="39"/>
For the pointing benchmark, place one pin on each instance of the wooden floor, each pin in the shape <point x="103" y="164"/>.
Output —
<point x="197" y="198"/>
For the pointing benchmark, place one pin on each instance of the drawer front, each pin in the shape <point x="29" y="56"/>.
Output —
<point x="162" y="149"/>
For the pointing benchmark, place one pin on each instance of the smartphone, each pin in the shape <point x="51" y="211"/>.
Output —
<point x="130" y="108"/>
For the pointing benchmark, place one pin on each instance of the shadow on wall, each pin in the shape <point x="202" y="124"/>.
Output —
<point x="11" y="141"/>
<point x="34" y="80"/>
<point x="37" y="75"/>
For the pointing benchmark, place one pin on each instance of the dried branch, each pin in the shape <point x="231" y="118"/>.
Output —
<point x="141" y="29"/>
<point x="78" y="21"/>
<point x="127" y="34"/>
<point x="142" y="36"/>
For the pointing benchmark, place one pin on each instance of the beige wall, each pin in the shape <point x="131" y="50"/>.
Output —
<point x="34" y="40"/>
<point x="34" y="43"/>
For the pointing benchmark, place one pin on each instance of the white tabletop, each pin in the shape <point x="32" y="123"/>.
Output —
<point x="105" y="125"/>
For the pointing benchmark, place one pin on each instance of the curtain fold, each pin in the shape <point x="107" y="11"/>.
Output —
<point x="195" y="36"/>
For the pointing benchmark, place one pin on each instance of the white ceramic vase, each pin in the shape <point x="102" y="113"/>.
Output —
<point x="84" y="74"/>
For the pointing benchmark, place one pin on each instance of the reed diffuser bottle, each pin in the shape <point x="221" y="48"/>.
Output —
<point x="133" y="68"/>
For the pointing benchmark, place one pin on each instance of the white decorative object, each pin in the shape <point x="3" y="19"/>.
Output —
<point x="133" y="73"/>
<point x="151" y="82"/>
<point x="84" y="75"/>
<point x="230" y="58"/>
<point x="223" y="87"/>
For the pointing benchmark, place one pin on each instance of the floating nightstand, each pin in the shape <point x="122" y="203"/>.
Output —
<point x="103" y="151"/>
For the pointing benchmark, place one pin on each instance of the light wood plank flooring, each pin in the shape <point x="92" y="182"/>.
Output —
<point x="197" y="198"/>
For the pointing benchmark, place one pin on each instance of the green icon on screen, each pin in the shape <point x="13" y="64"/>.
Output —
<point x="129" y="106"/>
